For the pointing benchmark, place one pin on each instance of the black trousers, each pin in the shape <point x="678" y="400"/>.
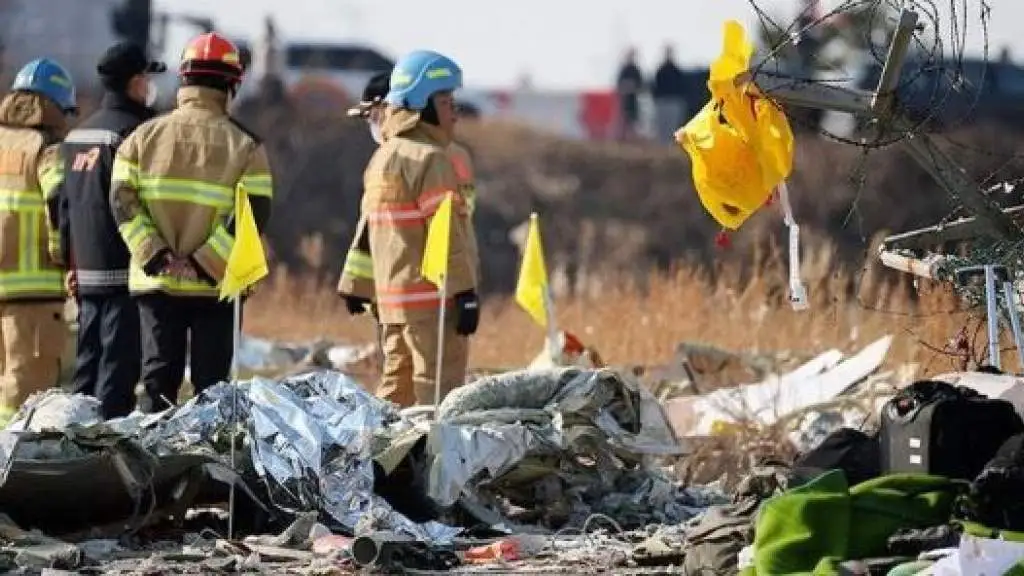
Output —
<point x="107" y="361"/>
<point x="178" y="327"/>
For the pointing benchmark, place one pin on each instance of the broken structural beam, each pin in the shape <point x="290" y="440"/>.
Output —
<point x="932" y="237"/>
<point x="877" y="105"/>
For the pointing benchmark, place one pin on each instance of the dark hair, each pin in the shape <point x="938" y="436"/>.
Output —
<point x="429" y="113"/>
<point x="215" y="82"/>
<point x="115" y="83"/>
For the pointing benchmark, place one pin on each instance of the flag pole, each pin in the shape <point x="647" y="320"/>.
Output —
<point x="549" y="313"/>
<point x="443" y="289"/>
<point x="236" y="345"/>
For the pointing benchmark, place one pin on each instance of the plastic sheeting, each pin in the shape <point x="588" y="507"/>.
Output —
<point x="545" y="434"/>
<point x="310" y="439"/>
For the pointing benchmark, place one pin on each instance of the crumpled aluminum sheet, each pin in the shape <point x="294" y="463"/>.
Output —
<point x="311" y="439"/>
<point x="629" y="420"/>
<point x="56" y="410"/>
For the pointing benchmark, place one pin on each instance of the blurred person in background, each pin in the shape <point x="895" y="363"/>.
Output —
<point x="33" y="121"/>
<point x="669" y="92"/>
<point x="629" y="86"/>
<point x="407" y="179"/>
<point x="173" y="198"/>
<point x="108" y="357"/>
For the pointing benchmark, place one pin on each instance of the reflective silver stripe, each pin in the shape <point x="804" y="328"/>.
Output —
<point x="102" y="277"/>
<point x="93" y="136"/>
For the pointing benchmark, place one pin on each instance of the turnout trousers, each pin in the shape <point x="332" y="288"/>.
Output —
<point x="33" y="335"/>
<point x="176" y="329"/>
<point x="410" y="361"/>
<point x="107" y="364"/>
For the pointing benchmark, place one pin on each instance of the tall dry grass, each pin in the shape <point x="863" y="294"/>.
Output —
<point x="629" y="324"/>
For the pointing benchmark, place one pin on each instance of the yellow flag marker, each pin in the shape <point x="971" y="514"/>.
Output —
<point x="247" y="264"/>
<point x="435" y="253"/>
<point x="532" y="288"/>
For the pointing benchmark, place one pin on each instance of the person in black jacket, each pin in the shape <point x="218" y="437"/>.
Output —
<point x="108" y="361"/>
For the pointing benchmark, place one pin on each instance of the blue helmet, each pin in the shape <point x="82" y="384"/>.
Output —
<point x="46" y="77"/>
<point x="420" y="74"/>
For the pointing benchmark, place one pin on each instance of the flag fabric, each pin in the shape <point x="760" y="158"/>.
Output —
<point x="533" y="276"/>
<point x="247" y="263"/>
<point x="435" y="254"/>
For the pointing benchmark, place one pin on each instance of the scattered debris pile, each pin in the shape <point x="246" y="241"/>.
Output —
<point x="524" y="452"/>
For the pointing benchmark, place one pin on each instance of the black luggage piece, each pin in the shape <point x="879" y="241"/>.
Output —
<point x="935" y="428"/>
<point x="852" y="451"/>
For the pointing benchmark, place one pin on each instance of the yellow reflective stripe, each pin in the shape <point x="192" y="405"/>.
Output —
<point x="221" y="242"/>
<point x="28" y="227"/>
<point x="125" y="171"/>
<point x="134" y="232"/>
<point x="31" y="282"/>
<point x="175" y="189"/>
<point x="49" y="179"/>
<point x="20" y="201"/>
<point x="358" y="264"/>
<point x="258" y="185"/>
<point x="139" y="281"/>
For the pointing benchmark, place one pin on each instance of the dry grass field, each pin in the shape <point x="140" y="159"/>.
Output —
<point x="630" y="325"/>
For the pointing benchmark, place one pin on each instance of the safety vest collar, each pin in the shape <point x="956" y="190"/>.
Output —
<point x="203" y="98"/>
<point x="398" y="121"/>
<point x="431" y="133"/>
<point x="29" y="110"/>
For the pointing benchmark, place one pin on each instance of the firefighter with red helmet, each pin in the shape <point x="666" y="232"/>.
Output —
<point x="172" y="194"/>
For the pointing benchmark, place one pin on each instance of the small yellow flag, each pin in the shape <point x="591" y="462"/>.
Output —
<point x="435" y="253"/>
<point x="533" y="276"/>
<point x="247" y="264"/>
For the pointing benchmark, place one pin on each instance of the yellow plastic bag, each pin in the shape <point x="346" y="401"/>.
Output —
<point x="740" y="143"/>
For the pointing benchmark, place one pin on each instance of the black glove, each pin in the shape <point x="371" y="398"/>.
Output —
<point x="467" y="313"/>
<point x="355" y="304"/>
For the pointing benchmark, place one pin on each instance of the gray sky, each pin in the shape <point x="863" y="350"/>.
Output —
<point x="560" y="43"/>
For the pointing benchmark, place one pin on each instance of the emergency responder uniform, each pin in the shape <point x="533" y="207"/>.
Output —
<point x="405" y="182"/>
<point x="108" y="358"/>
<point x="32" y="123"/>
<point x="172" y="193"/>
<point x="356" y="282"/>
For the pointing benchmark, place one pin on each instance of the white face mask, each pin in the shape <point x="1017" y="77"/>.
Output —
<point x="375" y="132"/>
<point x="151" y="93"/>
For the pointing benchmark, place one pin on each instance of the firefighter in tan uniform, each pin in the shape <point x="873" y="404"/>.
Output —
<point x="356" y="282"/>
<point x="172" y="193"/>
<point x="405" y="182"/>
<point x="33" y="120"/>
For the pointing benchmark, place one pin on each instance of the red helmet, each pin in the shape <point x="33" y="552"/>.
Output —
<point x="211" y="54"/>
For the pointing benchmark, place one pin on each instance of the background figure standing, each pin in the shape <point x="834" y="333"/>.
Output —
<point x="628" y="86"/>
<point x="669" y="92"/>
<point x="173" y="196"/>
<point x="108" y="357"/>
<point x="33" y="120"/>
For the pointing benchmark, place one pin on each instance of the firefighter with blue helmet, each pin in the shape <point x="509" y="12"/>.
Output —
<point x="406" y="180"/>
<point x="33" y="122"/>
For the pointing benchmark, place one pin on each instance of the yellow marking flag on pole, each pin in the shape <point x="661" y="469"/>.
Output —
<point x="435" y="253"/>
<point x="532" y="288"/>
<point x="247" y="263"/>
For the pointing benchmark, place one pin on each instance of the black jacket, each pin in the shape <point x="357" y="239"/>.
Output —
<point x="88" y="231"/>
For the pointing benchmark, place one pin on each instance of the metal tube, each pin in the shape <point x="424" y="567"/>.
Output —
<point x="1011" y="308"/>
<point x="366" y="550"/>
<point x="993" y="316"/>
<point x="887" y="84"/>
